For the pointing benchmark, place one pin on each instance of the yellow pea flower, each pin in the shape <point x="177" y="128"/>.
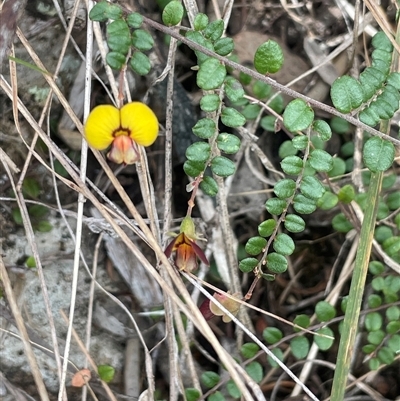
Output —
<point x="134" y="124"/>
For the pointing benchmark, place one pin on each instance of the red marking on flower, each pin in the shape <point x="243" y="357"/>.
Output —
<point x="186" y="252"/>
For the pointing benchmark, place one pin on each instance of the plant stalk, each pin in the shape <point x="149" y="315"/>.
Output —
<point x="352" y="314"/>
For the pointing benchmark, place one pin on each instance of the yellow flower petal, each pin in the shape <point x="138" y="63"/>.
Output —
<point x="102" y="122"/>
<point x="141" y="121"/>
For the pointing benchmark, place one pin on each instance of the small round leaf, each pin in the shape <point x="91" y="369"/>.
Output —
<point x="233" y="89"/>
<point x="210" y="379"/>
<point x="311" y="187"/>
<point x="321" y="161"/>
<point x="298" y="115"/>
<point x="204" y="128"/>
<point x="275" y="206"/>
<point x="268" y="58"/>
<point x="324" y="311"/>
<point x="210" y="102"/>
<point x="292" y="165"/>
<point x="103" y="10"/>
<point x="378" y="154"/>
<point x="140" y="63"/>
<point x="172" y="13"/>
<point x="198" y="151"/>
<point x="267" y="227"/>
<point x="119" y="36"/>
<point x="200" y="21"/>
<point x="211" y="74"/>
<point x="294" y="223"/>
<point x="255" y="245"/>
<point x="283" y="244"/>
<point x="228" y="143"/>
<point x="248" y="264"/>
<point x="134" y="20"/>
<point x="142" y="40"/>
<point x="115" y="60"/>
<point x="222" y="166"/>
<point x="249" y="350"/>
<point x="276" y="263"/>
<point x="346" y="94"/>
<point x="209" y="186"/>
<point x="299" y="347"/>
<point x="232" y="118"/>
<point x="323" y="129"/>
<point x="285" y="188"/>
<point x="214" y="30"/>
<point x="324" y="343"/>
<point x="272" y="335"/>
<point x="304" y="205"/>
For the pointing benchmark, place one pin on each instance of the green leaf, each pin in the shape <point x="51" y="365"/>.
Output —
<point x="224" y="46"/>
<point x="284" y="188"/>
<point x="392" y="246"/>
<point x="244" y="78"/>
<point x="142" y="40"/>
<point x="275" y="206"/>
<point x="104" y="10"/>
<point x="347" y="194"/>
<point x="228" y="143"/>
<point x="338" y="168"/>
<point x="324" y="343"/>
<point x="204" y="128"/>
<point x="210" y="379"/>
<point x="378" y="154"/>
<point x="197" y="37"/>
<point x="200" y="22"/>
<point x="327" y="201"/>
<point x="172" y="13"/>
<point x="30" y="262"/>
<point x="106" y="373"/>
<point x="261" y="90"/>
<point x="249" y="350"/>
<point x="300" y="347"/>
<point x="287" y="149"/>
<point x="44" y="226"/>
<point x="394" y="80"/>
<point x="255" y="371"/>
<point x="311" y="187"/>
<point x="373" y="321"/>
<point x="232" y="118"/>
<point x="38" y="211"/>
<point x="211" y="74"/>
<point x="279" y="354"/>
<point x="198" y="151"/>
<point x="341" y="224"/>
<point x="272" y="335"/>
<point x="30" y="187"/>
<point x="375" y="267"/>
<point x="382" y="233"/>
<point x="394" y="343"/>
<point x="323" y="129"/>
<point x="209" y="186"/>
<point x="233" y="89"/>
<point x="115" y="60"/>
<point x="17" y="217"/>
<point x="255" y="245"/>
<point x="321" y="161"/>
<point x="386" y="355"/>
<point x="324" y="311"/>
<point x="294" y="223"/>
<point x="393" y="313"/>
<point x="140" y="63"/>
<point x="232" y="389"/>
<point x="379" y="54"/>
<point x="292" y="165"/>
<point x="346" y="94"/>
<point x="393" y="200"/>
<point x="214" y="30"/>
<point x="119" y="36"/>
<point x="134" y="20"/>
<point x="298" y="115"/>
<point x="276" y="263"/>
<point x="251" y="111"/>
<point x="381" y="41"/>
<point x="304" y="205"/>
<point x="277" y="104"/>
<point x="192" y="394"/>
<point x="193" y="169"/>
<point x="248" y="264"/>
<point x="210" y="102"/>
<point x="302" y="321"/>
<point x="283" y="244"/>
<point x="300" y="142"/>
<point x="373" y="364"/>
<point x="376" y="337"/>
<point x="222" y="166"/>
<point x="378" y="283"/>
<point x="267" y="227"/>
<point x="268" y="123"/>
<point x="268" y="58"/>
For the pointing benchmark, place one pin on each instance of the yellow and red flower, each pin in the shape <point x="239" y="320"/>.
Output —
<point x="185" y="248"/>
<point x="124" y="129"/>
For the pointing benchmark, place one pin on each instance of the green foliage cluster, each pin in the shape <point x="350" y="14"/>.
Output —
<point x="376" y="93"/>
<point x="125" y="38"/>
<point x="212" y="78"/>
<point x="382" y="330"/>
